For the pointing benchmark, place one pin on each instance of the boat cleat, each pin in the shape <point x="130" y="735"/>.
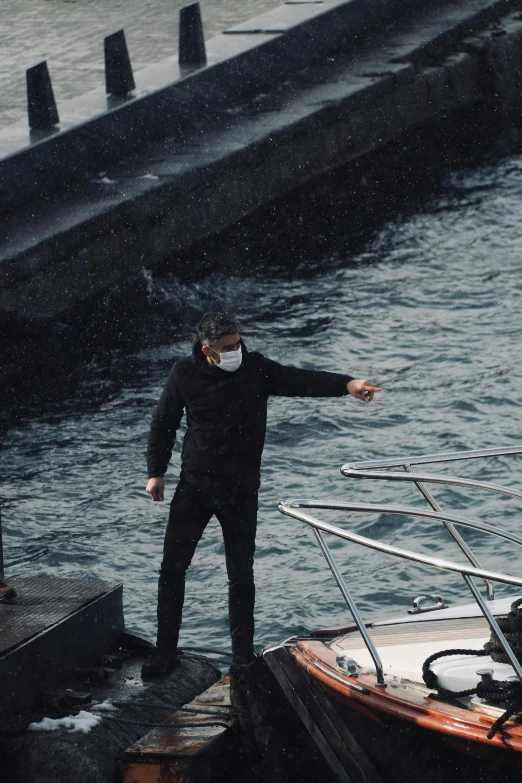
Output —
<point x="347" y="664"/>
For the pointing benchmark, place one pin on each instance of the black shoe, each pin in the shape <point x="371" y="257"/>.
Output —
<point x="158" y="664"/>
<point x="6" y="591"/>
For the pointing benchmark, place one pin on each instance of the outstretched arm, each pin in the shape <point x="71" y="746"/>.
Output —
<point x="288" y="381"/>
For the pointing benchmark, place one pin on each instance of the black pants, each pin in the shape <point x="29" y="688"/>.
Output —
<point x="190" y="511"/>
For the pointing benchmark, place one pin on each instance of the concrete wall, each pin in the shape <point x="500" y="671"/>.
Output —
<point x="306" y="128"/>
<point x="171" y="101"/>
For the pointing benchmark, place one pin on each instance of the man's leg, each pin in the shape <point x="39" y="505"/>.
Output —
<point x="238" y="518"/>
<point x="188" y="517"/>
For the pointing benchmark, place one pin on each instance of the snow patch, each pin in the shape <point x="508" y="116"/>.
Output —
<point x="83" y="721"/>
<point x="134" y="681"/>
<point x="104" y="706"/>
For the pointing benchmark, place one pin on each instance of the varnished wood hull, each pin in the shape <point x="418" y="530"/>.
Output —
<point x="407" y="734"/>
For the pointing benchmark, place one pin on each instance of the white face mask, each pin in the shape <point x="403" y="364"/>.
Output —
<point x="230" y="360"/>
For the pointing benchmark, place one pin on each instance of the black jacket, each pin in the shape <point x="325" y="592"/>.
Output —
<point x="226" y="414"/>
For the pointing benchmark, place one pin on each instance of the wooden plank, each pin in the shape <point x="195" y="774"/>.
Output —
<point x="346" y="758"/>
<point x="187" y="753"/>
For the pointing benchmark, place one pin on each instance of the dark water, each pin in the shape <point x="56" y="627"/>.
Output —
<point x="429" y="308"/>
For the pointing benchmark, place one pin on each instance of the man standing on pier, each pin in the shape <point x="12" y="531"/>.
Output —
<point x="224" y="391"/>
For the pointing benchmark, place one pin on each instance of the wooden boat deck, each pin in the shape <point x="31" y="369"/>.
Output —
<point x="403" y="648"/>
<point x="423" y="631"/>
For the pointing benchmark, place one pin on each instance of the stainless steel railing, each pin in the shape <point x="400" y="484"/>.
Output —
<point x="1" y="548"/>
<point x="372" y="470"/>
<point x="450" y="456"/>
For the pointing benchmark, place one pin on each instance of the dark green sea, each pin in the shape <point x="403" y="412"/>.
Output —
<point x="428" y="306"/>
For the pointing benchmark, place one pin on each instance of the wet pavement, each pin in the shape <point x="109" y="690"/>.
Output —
<point x="69" y="35"/>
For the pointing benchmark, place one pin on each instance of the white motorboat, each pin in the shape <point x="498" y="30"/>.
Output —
<point x="435" y="693"/>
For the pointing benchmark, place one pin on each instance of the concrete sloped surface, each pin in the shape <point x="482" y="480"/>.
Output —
<point x="62" y="756"/>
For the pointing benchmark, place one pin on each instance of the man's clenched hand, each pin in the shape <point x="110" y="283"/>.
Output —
<point x="156" y="488"/>
<point x="362" y="389"/>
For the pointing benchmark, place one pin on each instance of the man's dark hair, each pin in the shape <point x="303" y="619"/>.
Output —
<point x="215" y="325"/>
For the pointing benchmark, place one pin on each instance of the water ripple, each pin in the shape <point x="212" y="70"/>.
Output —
<point x="429" y="308"/>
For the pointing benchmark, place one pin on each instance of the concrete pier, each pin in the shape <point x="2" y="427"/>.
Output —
<point x="70" y="38"/>
<point x="316" y="114"/>
<point x="174" y="101"/>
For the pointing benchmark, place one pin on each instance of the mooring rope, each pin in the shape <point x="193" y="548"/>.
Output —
<point x="430" y="678"/>
<point x="174" y="708"/>
<point x="509" y="693"/>
<point x="208" y="650"/>
<point x="209" y="724"/>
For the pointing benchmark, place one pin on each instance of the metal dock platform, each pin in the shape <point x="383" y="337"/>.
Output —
<point x="52" y="628"/>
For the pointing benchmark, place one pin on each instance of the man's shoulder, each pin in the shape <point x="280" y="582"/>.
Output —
<point x="184" y="362"/>
<point x="182" y="367"/>
<point x="261" y="363"/>
<point x="255" y="363"/>
<point x="255" y="358"/>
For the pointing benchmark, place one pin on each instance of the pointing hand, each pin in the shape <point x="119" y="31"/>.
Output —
<point x="362" y="389"/>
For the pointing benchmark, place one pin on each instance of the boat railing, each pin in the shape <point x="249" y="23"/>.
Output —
<point x="373" y="470"/>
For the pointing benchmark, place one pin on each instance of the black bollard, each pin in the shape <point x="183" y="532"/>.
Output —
<point x="119" y="79"/>
<point x="1" y="549"/>
<point x="41" y="106"/>
<point x="191" y="40"/>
